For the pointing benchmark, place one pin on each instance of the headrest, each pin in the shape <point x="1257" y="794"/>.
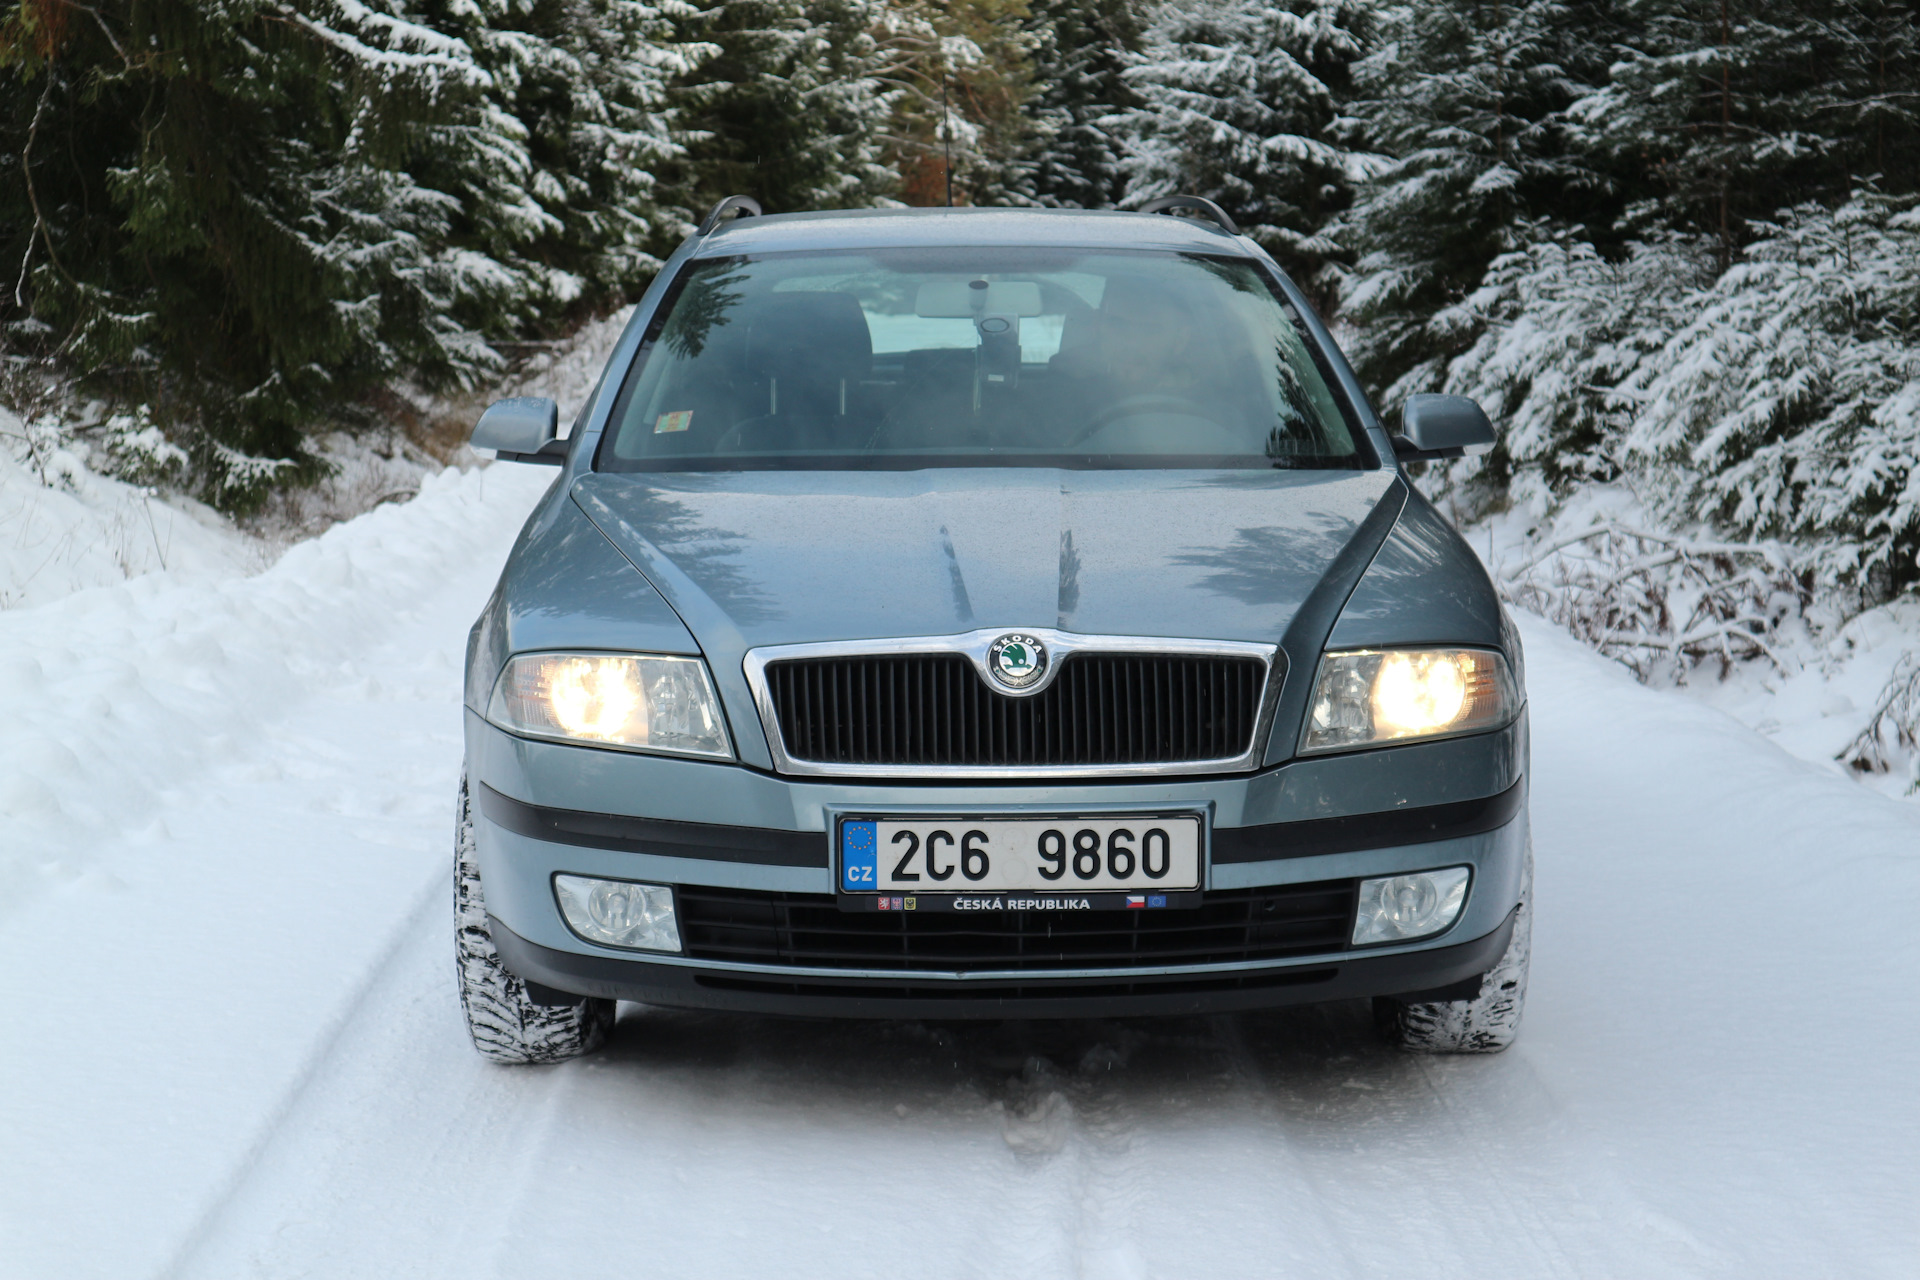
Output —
<point x="1128" y="297"/>
<point x="821" y="336"/>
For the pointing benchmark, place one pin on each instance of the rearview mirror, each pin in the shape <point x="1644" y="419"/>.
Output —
<point x="521" y="430"/>
<point x="959" y="299"/>
<point x="1442" y="427"/>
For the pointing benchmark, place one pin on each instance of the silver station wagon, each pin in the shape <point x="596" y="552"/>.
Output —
<point x="988" y="613"/>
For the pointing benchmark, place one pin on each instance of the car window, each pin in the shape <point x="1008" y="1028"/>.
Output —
<point x="977" y="356"/>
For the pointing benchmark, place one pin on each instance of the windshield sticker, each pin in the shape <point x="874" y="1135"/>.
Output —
<point x="678" y="420"/>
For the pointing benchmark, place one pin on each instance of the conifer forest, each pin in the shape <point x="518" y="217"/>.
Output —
<point x="1674" y="243"/>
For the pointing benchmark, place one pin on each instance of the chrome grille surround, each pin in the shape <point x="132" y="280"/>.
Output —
<point x="973" y="645"/>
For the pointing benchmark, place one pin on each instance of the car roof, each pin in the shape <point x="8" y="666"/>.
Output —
<point x="943" y="227"/>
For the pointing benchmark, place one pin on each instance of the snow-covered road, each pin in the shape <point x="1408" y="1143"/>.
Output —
<point x="233" y="1046"/>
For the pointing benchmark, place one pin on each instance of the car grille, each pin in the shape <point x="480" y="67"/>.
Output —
<point x="808" y="929"/>
<point x="934" y="709"/>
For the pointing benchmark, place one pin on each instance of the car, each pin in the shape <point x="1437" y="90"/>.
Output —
<point x="988" y="613"/>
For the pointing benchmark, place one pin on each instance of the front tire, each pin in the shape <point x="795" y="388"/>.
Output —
<point x="505" y="1024"/>
<point x="1485" y="1023"/>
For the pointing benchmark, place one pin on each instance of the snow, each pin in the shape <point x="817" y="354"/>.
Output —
<point x="64" y="528"/>
<point x="114" y="694"/>
<point x="1827" y="671"/>
<point x="235" y="1046"/>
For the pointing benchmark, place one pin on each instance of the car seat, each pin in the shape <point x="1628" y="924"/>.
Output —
<point x="804" y="360"/>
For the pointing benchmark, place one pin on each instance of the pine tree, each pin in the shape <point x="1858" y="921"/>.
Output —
<point x="1473" y="104"/>
<point x="1239" y="103"/>
<point x="793" y="108"/>
<point x="960" y="129"/>
<point x="1080" y="56"/>
<point x="221" y="194"/>
<point x="589" y="82"/>
<point x="1471" y="101"/>
<point x="1788" y="403"/>
<point x="1737" y="108"/>
<point x="1560" y="328"/>
<point x="252" y="213"/>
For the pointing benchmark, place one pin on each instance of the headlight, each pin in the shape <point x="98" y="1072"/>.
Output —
<point x="643" y="703"/>
<point x="1372" y="696"/>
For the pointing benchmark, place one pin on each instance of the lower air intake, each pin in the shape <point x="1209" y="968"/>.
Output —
<point x="807" y="929"/>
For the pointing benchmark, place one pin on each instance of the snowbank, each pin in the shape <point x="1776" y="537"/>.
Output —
<point x="1790" y="664"/>
<point x="135" y="650"/>
<point x="64" y="528"/>
<point x="112" y="695"/>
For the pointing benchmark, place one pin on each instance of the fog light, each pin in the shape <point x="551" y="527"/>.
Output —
<point x="619" y="913"/>
<point x="1400" y="908"/>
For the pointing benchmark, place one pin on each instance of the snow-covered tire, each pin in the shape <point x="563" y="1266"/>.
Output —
<point x="507" y="1026"/>
<point x="1489" y="1021"/>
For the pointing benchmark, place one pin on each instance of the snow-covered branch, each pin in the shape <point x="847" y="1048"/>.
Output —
<point x="1894" y="729"/>
<point x="1656" y="600"/>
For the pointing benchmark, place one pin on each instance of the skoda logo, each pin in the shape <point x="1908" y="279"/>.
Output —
<point x="1017" y="660"/>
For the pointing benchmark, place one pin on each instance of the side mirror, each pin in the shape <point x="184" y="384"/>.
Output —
<point x="1442" y="427"/>
<point x="521" y="430"/>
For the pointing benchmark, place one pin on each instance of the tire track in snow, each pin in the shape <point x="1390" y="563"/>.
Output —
<point x="402" y="1154"/>
<point x="238" y="914"/>
<point x="1446" y="1149"/>
<point x="1613" y="1204"/>
<point x="1073" y="1138"/>
<point x="1306" y="1179"/>
<point x="318" y="1060"/>
<point x="1107" y="1133"/>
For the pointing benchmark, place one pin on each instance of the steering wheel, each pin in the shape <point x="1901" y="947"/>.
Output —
<point x="1138" y="406"/>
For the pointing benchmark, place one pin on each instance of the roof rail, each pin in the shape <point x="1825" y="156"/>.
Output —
<point x="1167" y="204"/>
<point x="746" y="206"/>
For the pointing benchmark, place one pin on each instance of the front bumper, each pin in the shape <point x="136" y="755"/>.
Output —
<point x="545" y="808"/>
<point x="1443" y="972"/>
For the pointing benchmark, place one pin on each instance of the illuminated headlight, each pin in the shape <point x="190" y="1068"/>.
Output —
<point x="640" y="702"/>
<point x="619" y="913"/>
<point x="1372" y="696"/>
<point x="1402" y="908"/>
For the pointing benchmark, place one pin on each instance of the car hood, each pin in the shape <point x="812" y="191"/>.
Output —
<point x="762" y="557"/>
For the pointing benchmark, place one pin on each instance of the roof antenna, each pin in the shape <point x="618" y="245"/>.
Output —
<point x="946" y="127"/>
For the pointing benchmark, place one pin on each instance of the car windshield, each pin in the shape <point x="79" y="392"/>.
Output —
<point x="976" y="357"/>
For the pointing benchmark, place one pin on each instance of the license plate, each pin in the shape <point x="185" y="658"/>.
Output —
<point x="1144" y="854"/>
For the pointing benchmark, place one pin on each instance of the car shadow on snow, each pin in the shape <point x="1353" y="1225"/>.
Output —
<point x="1314" y="1069"/>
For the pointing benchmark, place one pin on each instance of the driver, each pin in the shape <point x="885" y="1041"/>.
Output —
<point x="1137" y="344"/>
<point x="1141" y="339"/>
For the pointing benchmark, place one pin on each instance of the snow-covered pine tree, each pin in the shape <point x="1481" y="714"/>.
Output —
<point x="251" y="214"/>
<point x="588" y="81"/>
<point x="1470" y="100"/>
<point x="1874" y="101"/>
<point x="964" y="75"/>
<point x="1777" y="399"/>
<point x="1641" y="357"/>
<point x="221" y="207"/>
<point x="1560" y="326"/>
<point x="1736" y="108"/>
<point x="792" y="109"/>
<point x="1239" y="103"/>
<point x="1790" y="399"/>
<point x="1080" y="57"/>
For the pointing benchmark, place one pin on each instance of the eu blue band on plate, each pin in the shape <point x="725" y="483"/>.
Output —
<point x="859" y="853"/>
